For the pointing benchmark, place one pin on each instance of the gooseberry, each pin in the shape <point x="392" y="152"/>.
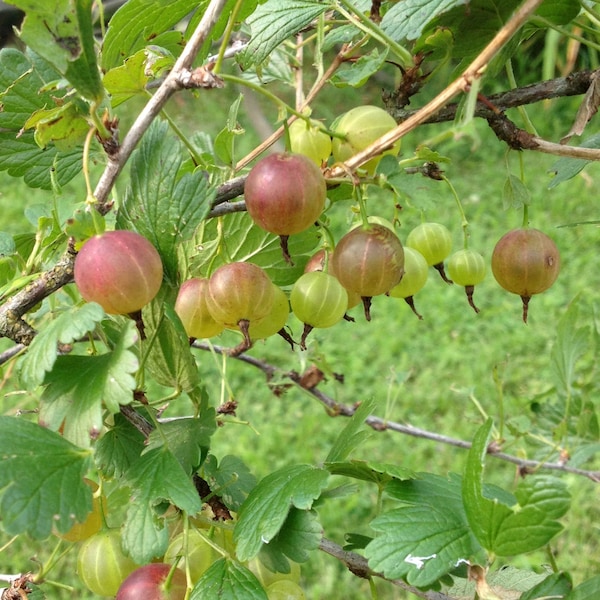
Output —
<point x="155" y="581"/>
<point x="120" y="270"/>
<point x="415" y="277"/>
<point x="285" y="194"/>
<point x="318" y="300"/>
<point x="359" y="128"/>
<point x="467" y="268"/>
<point x="192" y="309"/>
<point x="434" y="242"/>
<point x="308" y="137"/>
<point x="369" y="260"/>
<point x="525" y="262"/>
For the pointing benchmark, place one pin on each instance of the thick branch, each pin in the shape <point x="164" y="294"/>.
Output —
<point x="572" y="85"/>
<point x="378" y="424"/>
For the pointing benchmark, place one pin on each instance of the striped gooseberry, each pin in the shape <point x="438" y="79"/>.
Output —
<point x="192" y="309"/>
<point x="434" y="242"/>
<point x="308" y="137"/>
<point x="525" y="261"/>
<point x="285" y="193"/>
<point x="155" y="581"/>
<point x="416" y="273"/>
<point x="369" y="260"/>
<point x="467" y="268"/>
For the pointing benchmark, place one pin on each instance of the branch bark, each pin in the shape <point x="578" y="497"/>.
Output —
<point x="336" y="408"/>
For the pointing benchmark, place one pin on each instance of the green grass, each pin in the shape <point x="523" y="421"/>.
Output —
<point x="436" y="374"/>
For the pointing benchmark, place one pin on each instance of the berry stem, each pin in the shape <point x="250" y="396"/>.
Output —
<point x="464" y="222"/>
<point x="227" y="36"/>
<point x="357" y="192"/>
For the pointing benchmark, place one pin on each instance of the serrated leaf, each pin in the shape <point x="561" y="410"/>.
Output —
<point x="420" y="543"/>
<point x="65" y="126"/>
<point x="228" y="580"/>
<point x="406" y="20"/>
<point x="357" y="73"/>
<point x="266" y="508"/>
<point x="566" y="168"/>
<point x="156" y="477"/>
<point x="41" y="478"/>
<point x="300" y="535"/>
<point x="169" y="358"/>
<point x="507" y="528"/>
<point x="559" y="12"/>
<point x="162" y="204"/>
<point x="570" y="345"/>
<point x="224" y="144"/>
<point x="378" y="473"/>
<point x="230" y="479"/>
<point x="515" y="194"/>
<point x="247" y="242"/>
<point x="139" y="23"/>
<point x="69" y="326"/>
<point x="555" y="585"/>
<point x="588" y="590"/>
<point x="118" y="448"/>
<point x="77" y="386"/>
<point x="353" y="434"/>
<point x="128" y="80"/>
<point x="276" y="20"/>
<point x="187" y="439"/>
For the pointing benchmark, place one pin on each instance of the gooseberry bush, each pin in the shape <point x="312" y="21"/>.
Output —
<point x="167" y="242"/>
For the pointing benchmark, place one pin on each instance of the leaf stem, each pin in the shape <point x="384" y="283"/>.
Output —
<point x="227" y="36"/>
<point x="461" y="210"/>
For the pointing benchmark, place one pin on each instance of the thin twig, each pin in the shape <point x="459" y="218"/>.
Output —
<point x="359" y="566"/>
<point x="378" y="424"/>
<point x="473" y="72"/>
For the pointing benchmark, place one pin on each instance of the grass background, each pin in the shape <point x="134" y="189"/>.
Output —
<point x="436" y="374"/>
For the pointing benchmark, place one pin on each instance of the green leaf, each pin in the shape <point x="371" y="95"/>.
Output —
<point x="515" y="194"/>
<point x="555" y="585"/>
<point x="566" y="168"/>
<point x="247" y="242"/>
<point x="187" y="439"/>
<point x="68" y="327"/>
<point x="170" y="360"/>
<point x="374" y="472"/>
<point x="428" y="538"/>
<point x="504" y="527"/>
<point x="559" y="12"/>
<point x="228" y="580"/>
<point x="156" y="477"/>
<point x="357" y="73"/>
<point x="571" y="344"/>
<point x="77" y="386"/>
<point x="225" y="139"/>
<point x="588" y="590"/>
<point x="128" y="80"/>
<point x="353" y="434"/>
<point x="119" y="448"/>
<point x="62" y="33"/>
<point x="230" y="478"/>
<point x="276" y="20"/>
<point x="139" y="23"/>
<point x="267" y="507"/>
<point x="406" y="20"/>
<point x="41" y="478"/>
<point x="300" y="535"/>
<point x="162" y="204"/>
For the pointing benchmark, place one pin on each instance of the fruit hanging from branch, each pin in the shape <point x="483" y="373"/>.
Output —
<point x="369" y="260"/>
<point x="285" y="194"/>
<point x="416" y="273"/>
<point x="434" y="242"/>
<point x="120" y="270"/>
<point x="467" y="268"/>
<point x="239" y="293"/>
<point x="525" y="261"/>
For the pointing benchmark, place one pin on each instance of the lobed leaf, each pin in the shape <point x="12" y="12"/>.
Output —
<point x="274" y="21"/>
<point x="41" y="478"/>
<point x="230" y="478"/>
<point x="68" y="327"/>
<point x="77" y="386"/>
<point x="162" y="204"/>
<point x="156" y="477"/>
<point x="228" y="580"/>
<point x="265" y="510"/>
<point x="588" y="590"/>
